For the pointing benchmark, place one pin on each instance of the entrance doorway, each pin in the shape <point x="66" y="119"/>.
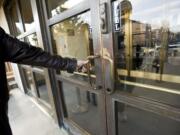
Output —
<point x="132" y="86"/>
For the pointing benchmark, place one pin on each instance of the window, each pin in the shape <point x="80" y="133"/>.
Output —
<point x="82" y="107"/>
<point x="28" y="79"/>
<point x="27" y="16"/>
<point x="73" y="38"/>
<point x="41" y="87"/>
<point x="15" y="19"/>
<point x="134" y="121"/>
<point x="20" y="16"/>
<point x="147" y="42"/>
<point x="58" y="6"/>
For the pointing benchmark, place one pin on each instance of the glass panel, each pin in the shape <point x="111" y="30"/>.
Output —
<point x="151" y="93"/>
<point x="134" y="121"/>
<point x="32" y="40"/>
<point x="41" y="87"/>
<point x="27" y="16"/>
<point x="58" y="6"/>
<point x="82" y="108"/>
<point x="147" y="42"/>
<point x="73" y="38"/>
<point x="16" y="25"/>
<point x="28" y="79"/>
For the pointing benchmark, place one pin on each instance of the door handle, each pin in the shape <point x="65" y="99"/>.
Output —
<point x="105" y="57"/>
<point x="91" y="57"/>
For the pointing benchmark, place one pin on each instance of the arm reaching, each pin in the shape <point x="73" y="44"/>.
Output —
<point x="22" y="53"/>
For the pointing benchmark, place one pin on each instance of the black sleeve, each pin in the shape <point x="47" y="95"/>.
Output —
<point x="20" y="52"/>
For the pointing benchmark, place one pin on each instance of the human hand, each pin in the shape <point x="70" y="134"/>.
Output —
<point x="81" y="65"/>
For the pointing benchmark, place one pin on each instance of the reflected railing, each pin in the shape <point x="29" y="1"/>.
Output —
<point x="84" y="74"/>
<point x="151" y="76"/>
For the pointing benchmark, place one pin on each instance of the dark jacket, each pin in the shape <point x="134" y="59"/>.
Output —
<point x="13" y="50"/>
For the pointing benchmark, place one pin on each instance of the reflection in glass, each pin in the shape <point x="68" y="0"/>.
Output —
<point x="73" y="38"/>
<point x="32" y="40"/>
<point x="27" y="16"/>
<point x="82" y="108"/>
<point x="28" y="79"/>
<point x="148" y="38"/>
<point x="134" y="121"/>
<point x="41" y="87"/>
<point x="15" y="19"/>
<point x="147" y="43"/>
<point x="58" y="6"/>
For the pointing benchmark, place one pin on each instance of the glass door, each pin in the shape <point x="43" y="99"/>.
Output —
<point x="74" y="32"/>
<point x="146" y="93"/>
<point x="82" y="101"/>
<point x="133" y="86"/>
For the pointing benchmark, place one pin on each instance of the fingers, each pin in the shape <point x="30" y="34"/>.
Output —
<point x="82" y="66"/>
<point x="84" y="70"/>
<point x="81" y="63"/>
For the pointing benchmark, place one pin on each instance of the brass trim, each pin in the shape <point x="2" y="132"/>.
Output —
<point x="84" y="74"/>
<point x="155" y="88"/>
<point x="122" y="72"/>
<point x="149" y="75"/>
<point x="128" y="39"/>
<point x="171" y="78"/>
<point x="146" y="75"/>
